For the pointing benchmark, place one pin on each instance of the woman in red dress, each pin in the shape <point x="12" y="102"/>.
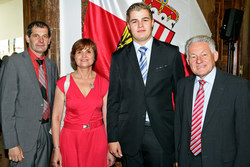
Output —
<point x="82" y="141"/>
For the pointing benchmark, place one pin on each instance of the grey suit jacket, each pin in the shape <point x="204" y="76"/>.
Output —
<point x="225" y="137"/>
<point x="21" y="101"/>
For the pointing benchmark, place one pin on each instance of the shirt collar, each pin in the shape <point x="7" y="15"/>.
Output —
<point x="148" y="45"/>
<point x="209" y="78"/>
<point x="33" y="56"/>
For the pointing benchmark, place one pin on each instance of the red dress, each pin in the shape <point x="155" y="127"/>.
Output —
<point x="84" y="147"/>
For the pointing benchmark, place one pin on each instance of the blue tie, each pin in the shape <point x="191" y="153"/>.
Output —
<point x="143" y="63"/>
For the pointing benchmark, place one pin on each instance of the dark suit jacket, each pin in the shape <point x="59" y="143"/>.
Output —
<point x="225" y="135"/>
<point x="21" y="102"/>
<point x="129" y="98"/>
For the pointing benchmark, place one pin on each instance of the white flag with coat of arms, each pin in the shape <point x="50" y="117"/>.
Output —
<point x="175" y="22"/>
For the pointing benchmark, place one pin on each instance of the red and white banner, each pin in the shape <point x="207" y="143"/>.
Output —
<point x="175" y="22"/>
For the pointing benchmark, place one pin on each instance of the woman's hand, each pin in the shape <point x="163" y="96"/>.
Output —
<point x="110" y="159"/>
<point x="57" y="158"/>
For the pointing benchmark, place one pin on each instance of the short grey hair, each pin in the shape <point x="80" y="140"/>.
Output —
<point x="200" y="38"/>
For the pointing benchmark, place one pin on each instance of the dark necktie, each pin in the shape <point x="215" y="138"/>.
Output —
<point x="195" y="142"/>
<point x="42" y="84"/>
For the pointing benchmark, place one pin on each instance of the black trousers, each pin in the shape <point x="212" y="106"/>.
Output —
<point x="150" y="154"/>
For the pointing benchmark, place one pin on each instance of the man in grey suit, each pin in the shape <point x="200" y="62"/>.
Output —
<point x="212" y="118"/>
<point x="27" y="86"/>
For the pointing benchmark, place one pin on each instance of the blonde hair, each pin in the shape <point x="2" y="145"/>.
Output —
<point x="137" y="7"/>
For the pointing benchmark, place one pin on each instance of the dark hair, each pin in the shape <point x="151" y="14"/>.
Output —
<point x="137" y="7"/>
<point x="4" y="57"/>
<point x="37" y="24"/>
<point x="79" y="45"/>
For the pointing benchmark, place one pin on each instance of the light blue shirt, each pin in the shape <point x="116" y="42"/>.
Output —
<point x="148" y="45"/>
<point x="207" y="89"/>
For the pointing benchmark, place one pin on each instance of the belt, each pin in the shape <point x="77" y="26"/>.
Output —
<point x="91" y="125"/>
<point x="44" y="121"/>
<point x="147" y="124"/>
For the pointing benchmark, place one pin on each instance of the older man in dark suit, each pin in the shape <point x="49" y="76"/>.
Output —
<point x="212" y="112"/>
<point x="143" y="75"/>
<point x="27" y="86"/>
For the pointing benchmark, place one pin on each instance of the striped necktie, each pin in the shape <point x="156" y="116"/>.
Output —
<point x="143" y="63"/>
<point x="42" y="84"/>
<point x="195" y="142"/>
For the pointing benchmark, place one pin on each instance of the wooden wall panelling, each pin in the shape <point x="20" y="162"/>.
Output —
<point x="84" y="9"/>
<point x="48" y="12"/>
<point x="53" y="20"/>
<point x="244" y="59"/>
<point x="222" y="61"/>
<point x="243" y="45"/>
<point x="208" y="10"/>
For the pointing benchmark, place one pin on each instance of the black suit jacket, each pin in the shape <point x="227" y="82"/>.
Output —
<point x="225" y="135"/>
<point x="129" y="98"/>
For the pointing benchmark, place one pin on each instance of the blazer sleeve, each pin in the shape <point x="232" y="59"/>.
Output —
<point x="113" y="101"/>
<point x="8" y="94"/>
<point x="178" y="72"/>
<point x="242" y="124"/>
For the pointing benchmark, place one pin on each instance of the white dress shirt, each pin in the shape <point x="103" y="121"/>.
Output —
<point x="207" y="89"/>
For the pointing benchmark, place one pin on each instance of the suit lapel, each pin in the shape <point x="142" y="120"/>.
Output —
<point x="216" y="95"/>
<point x="31" y="71"/>
<point x="153" y="60"/>
<point x="189" y="98"/>
<point x="49" y="77"/>
<point x="134" y="62"/>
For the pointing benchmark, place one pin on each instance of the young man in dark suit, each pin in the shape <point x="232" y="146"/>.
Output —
<point x="27" y="86"/>
<point x="212" y="118"/>
<point x="143" y="75"/>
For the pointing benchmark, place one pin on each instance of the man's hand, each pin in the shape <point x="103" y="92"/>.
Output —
<point x="115" y="149"/>
<point x="16" y="154"/>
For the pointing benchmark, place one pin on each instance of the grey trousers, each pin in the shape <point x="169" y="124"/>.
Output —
<point x="40" y="154"/>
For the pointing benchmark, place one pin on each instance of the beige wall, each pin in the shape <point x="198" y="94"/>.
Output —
<point x="11" y="20"/>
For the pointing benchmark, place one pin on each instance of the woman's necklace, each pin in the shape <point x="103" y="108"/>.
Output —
<point x="91" y="85"/>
